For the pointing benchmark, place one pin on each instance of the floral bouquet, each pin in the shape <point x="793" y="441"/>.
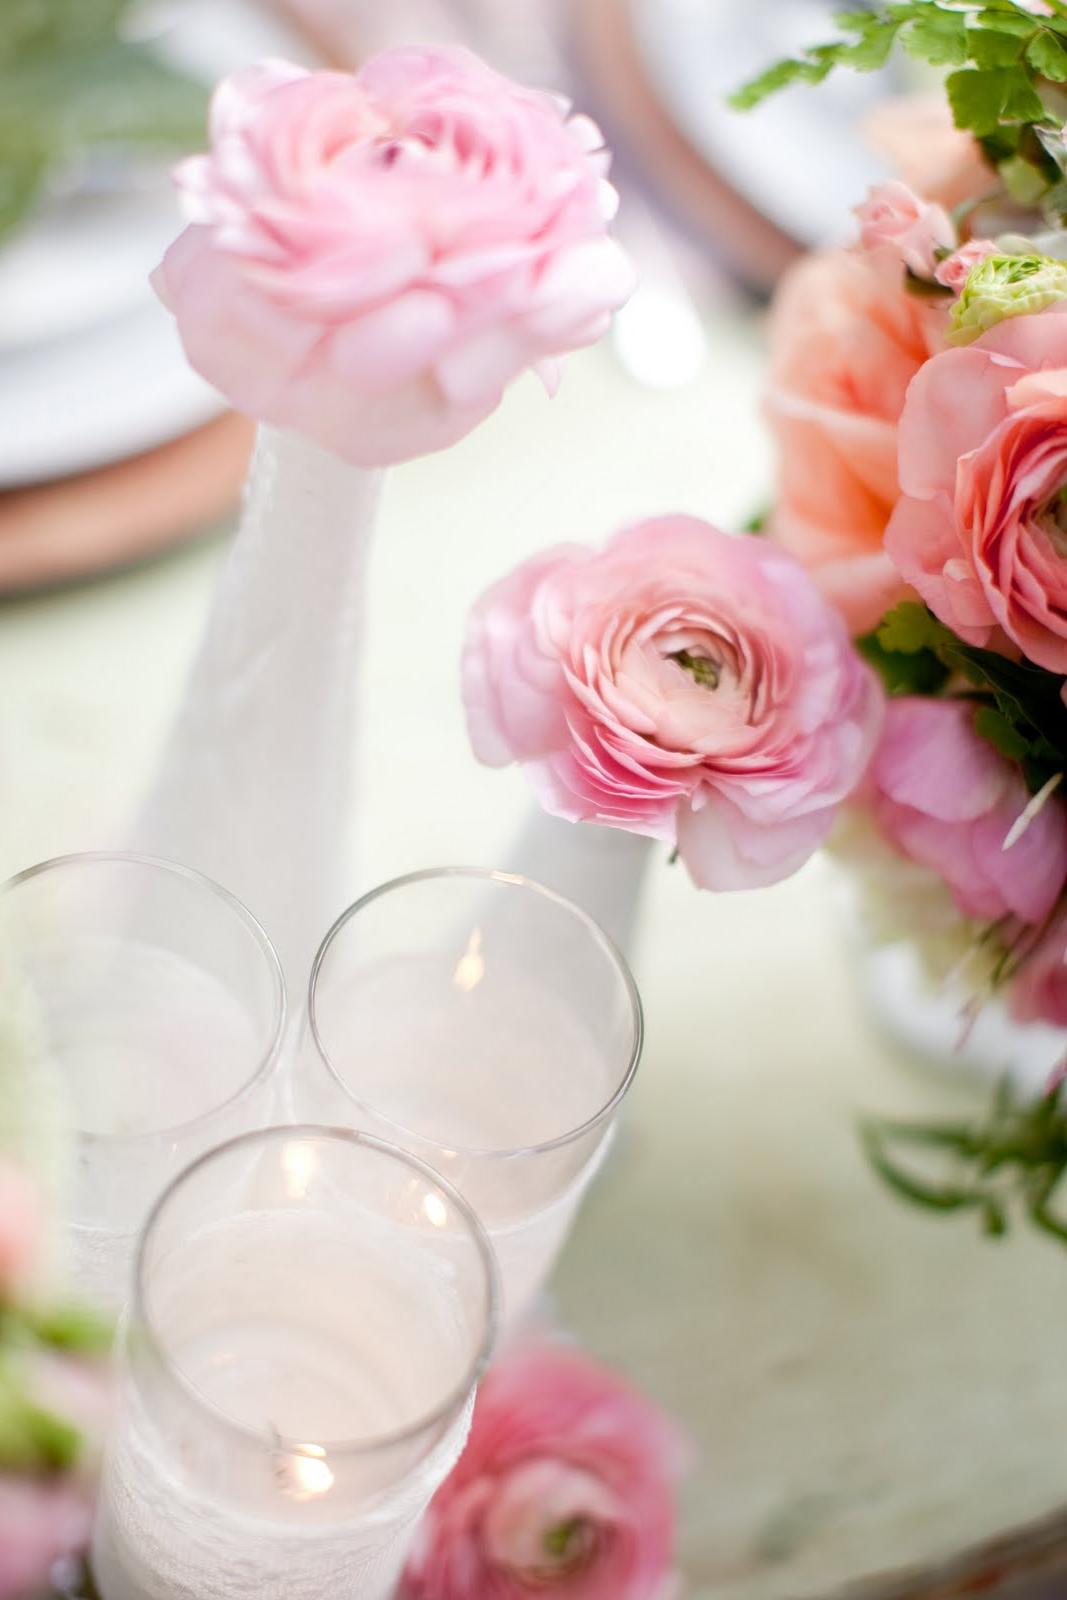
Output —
<point x="891" y="650"/>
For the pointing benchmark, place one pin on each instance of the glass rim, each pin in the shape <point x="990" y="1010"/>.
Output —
<point x="514" y="880"/>
<point x="252" y="925"/>
<point x="144" y="1327"/>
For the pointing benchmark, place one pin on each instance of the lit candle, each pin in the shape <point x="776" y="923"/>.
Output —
<point x="312" y="1310"/>
<point x="488" y="1026"/>
<point x="158" y="1006"/>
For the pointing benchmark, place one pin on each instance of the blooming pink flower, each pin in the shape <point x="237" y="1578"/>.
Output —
<point x="40" y="1521"/>
<point x="679" y="683"/>
<point x="373" y="257"/>
<point x="914" y="230"/>
<point x="566" y="1486"/>
<point x="846" y="340"/>
<point x="944" y="798"/>
<point x="20" y="1231"/>
<point x="1039" y="991"/>
<point x="983" y="463"/>
<point x="917" y="135"/>
<point x="955" y="269"/>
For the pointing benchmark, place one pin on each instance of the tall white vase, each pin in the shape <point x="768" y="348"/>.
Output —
<point x="254" y="787"/>
<point x="600" y="869"/>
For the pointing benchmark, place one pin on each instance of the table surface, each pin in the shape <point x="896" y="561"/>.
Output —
<point x="865" y="1388"/>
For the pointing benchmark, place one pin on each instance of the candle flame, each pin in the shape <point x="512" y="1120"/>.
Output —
<point x="300" y="1163"/>
<point x="310" y="1473"/>
<point x="470" y="969"/>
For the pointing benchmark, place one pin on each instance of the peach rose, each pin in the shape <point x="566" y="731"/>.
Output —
<point x="914" y="229"/>
<point x="846" y="340"/>
<point x="373" y="257"/>
<point x="980" y="530"/>
<point x="917" y="136"/>
<point x="953" y="272"/>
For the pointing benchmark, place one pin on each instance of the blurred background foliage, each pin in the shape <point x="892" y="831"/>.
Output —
<point x="80" y="94"/>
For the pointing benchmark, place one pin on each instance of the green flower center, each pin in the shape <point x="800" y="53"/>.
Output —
<point x="700" y="668"/>
<point x="570" y="1544"/>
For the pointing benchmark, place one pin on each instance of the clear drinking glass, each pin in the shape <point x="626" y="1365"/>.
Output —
<point x="312" y="1311"/>
<point x="489" y="1026"/>
<point x="154" y="1005"/>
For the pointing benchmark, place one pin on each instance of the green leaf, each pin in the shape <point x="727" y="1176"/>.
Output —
<point x="980" y="98"/>
<point x="909" y="1185"/>
<point x="31" y="1438"/>
<point x="1022" y="103"/>
<point x="872" y="51"/>
<point x="1014" y="22"/>
<point x="910" y="627"/>
<point x="1047" y="55"/>
<point x="976" y="98"/>
<point x="1001" y="732"/>
<point x="989" y="48"/>
<point x="904" y="672"/>
<point x="780" y="76"/>
<point x="22" y="172"/>
<point x="73" y="1328"/>
<point x="1024" y="182"/>
<point x="939" y="37"/>
<point x="46" y="27"/>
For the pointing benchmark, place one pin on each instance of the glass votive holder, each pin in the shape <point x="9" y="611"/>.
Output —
<point x="312" y="1310"/>
<point x="155" y="1005"/>
<point x="490" y="1027"/>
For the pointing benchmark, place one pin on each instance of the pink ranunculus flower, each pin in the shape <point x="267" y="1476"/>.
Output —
<point x="953" y="272"/>
<point x="846" y="340"/>
<point x="915" y="230"/>
<point x="566" y="1487"/>
<point x="946" y="799"/>
<point x="1039" y="990"/>
<point x="917" y="135"/>
<point x="980" y="528"/>
<point x="679" y="683"/>
<point x="373" y="257"/>
<point x="20" y="1231"/>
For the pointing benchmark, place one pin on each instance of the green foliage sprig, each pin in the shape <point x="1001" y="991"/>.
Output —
<point x="1006" y="66"/>
<point x="1018" y="707"/>
<point x="72" y="82"/>
<point x="1012" y="1159"/>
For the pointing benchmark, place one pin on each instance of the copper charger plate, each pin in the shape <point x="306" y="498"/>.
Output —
<point x="642" y="129"/>
<point x="93" y="522"/>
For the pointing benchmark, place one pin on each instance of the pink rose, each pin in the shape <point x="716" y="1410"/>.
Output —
<point x="954" y="271"/>
<point x="20" y="1231"/>
<point x="917" y="135"/>
<point x="983" y="462"/>
<point x="846" y="340"/>
<point x="679" y="683"/>
<point x="41" y="1520"/>
<point x="566" y="1487"/>
<point x="374" y="257"/>
<point x="944" y="798"/>
<point x="1039" y="991"/>
<point x="913" y="229"/>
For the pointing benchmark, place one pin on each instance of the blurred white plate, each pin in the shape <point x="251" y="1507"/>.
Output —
<point x="91" y="370"/>
<point x="798" y="158"/>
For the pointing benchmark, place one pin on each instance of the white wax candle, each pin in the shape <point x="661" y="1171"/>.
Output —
<point x="310" y="1314"/>
<point x="473" y="1077"/>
